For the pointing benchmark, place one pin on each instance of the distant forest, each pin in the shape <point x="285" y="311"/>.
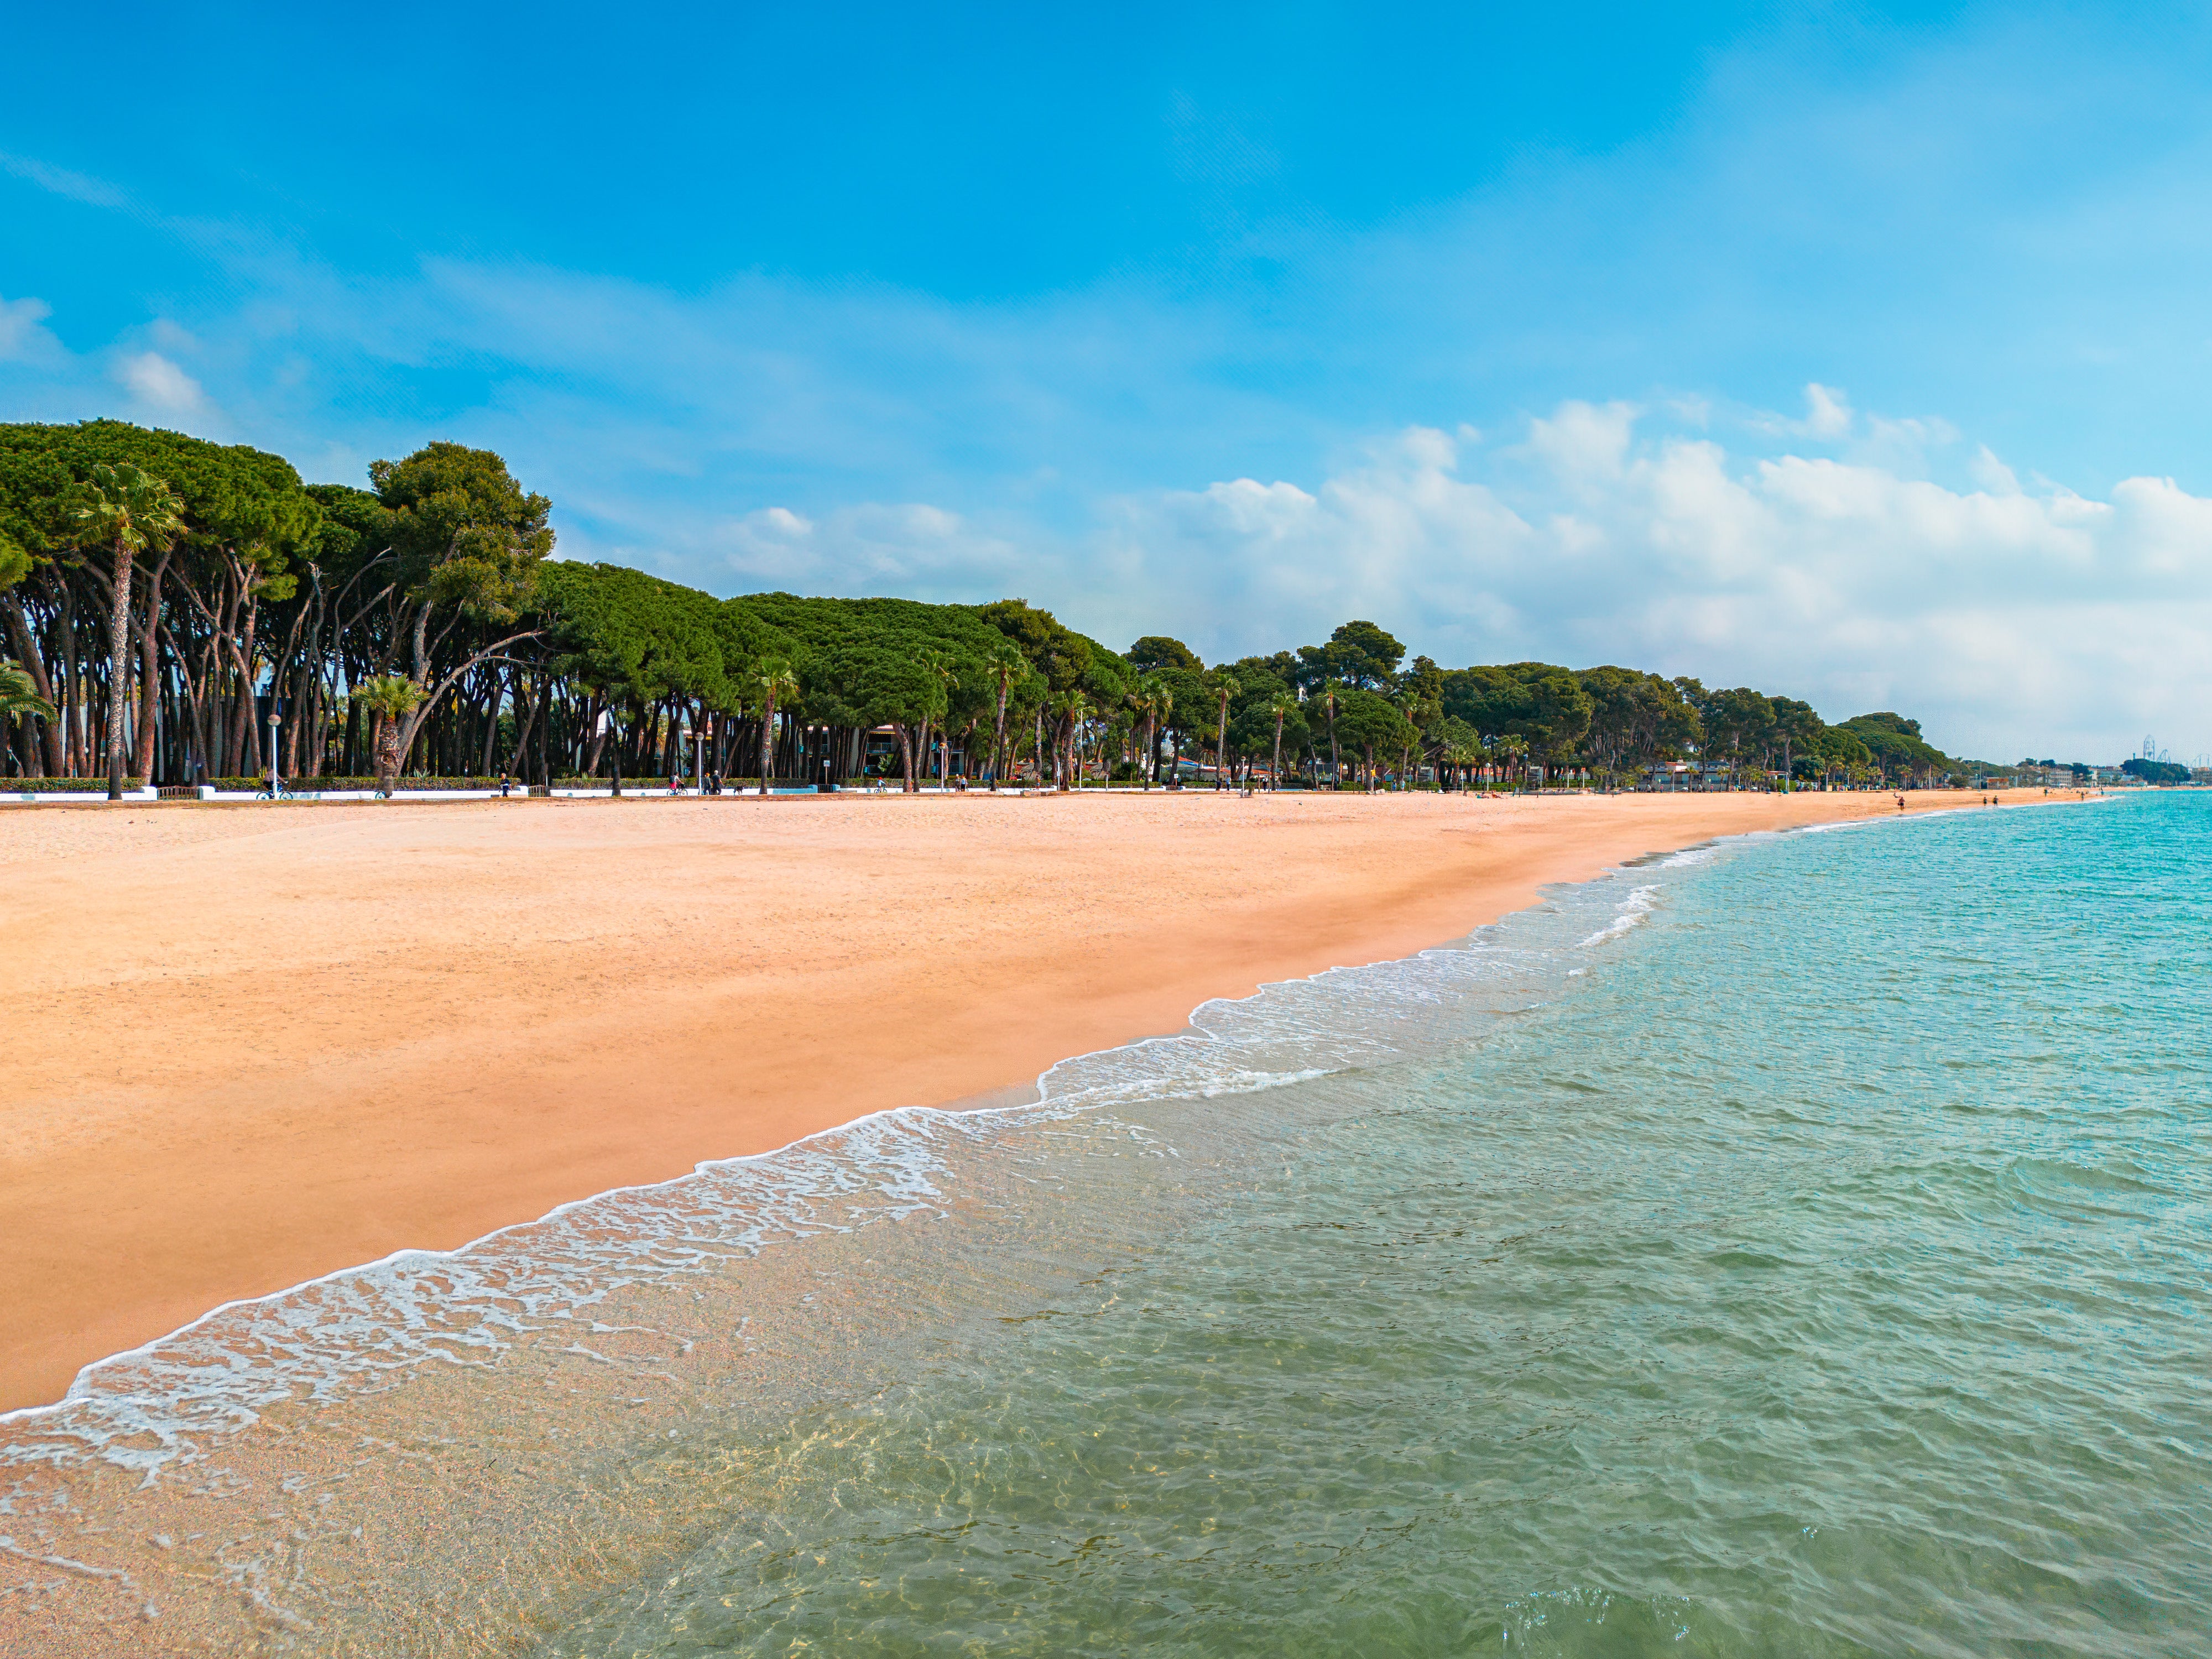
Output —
<point x="164" y="595"/>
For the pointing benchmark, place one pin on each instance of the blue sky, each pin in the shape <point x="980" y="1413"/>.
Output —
<point x="1857" y="353"/>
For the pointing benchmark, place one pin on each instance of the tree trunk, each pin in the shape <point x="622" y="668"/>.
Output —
<point x="599" y="738"/>
<point x="388" y="741"/>
<point x="118" y="664"/>
<point x="33" y="661"/>
<point x="245" y="735"/>
<point x="528" y="712"/>
<point x="71" y="704"/>
<point x="149" y="673"/>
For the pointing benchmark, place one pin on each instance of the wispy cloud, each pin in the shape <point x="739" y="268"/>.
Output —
<point x="160" y="385"/>
<point x="22" y="338"/>
<point x="1828" y="416"/>
<point x="61" y="181"/>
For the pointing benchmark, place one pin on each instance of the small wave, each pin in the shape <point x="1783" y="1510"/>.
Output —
<point x="169" y="1400"/>
<point x="1633" y="908"/>
<point x="365" y="1327"/>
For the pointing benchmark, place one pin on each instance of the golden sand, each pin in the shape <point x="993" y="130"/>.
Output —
<point x="251" y="1045"/>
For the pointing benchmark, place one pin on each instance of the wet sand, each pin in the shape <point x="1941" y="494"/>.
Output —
<point x="251" y="1045"/>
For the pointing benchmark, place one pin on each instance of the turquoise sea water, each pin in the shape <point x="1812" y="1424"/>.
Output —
<point x="1823" y="1272"/>
<point x="1798" y="1246"/>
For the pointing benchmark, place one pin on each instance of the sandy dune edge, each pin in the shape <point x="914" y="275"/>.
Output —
<point x="251" y="1046"/>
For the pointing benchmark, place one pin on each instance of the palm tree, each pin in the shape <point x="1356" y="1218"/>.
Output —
<point x="1282" y="706"/>
<point x="388" y="697"/>
<point x="1514" y="748"/>
<point x="1467" y="755"/>
<point x="1157" y="702"/>
<point x="18" y="697"/>
<point x="938" y="667"/>
<point x="1005" y="664"/>
<point x="772" y="682"/>
<point x="1224" y="687"/>
<point x="19" y="693"/>
<point x="126" y="511"/>
<point x="1328" y="702"/>
<point x="1140" y="704"/>
<point x="1074" y="708"/>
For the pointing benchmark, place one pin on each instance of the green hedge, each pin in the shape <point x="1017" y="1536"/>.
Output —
<point x="315" y="785"/>
<point x="401" y="786"/>
<point x="63" y="786"/>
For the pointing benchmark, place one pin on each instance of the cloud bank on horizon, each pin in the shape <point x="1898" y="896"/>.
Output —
<point x="1860" y="359"/>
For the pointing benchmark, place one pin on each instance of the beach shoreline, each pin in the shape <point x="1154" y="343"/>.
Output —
<point x="263" y="1046"/>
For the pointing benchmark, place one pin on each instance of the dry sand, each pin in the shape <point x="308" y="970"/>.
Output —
<point x="251" y="1045"/>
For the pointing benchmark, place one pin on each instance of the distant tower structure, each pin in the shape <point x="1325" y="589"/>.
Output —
<point x="2150" y="748"/>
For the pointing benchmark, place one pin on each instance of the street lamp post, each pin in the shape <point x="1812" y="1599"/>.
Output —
<point x="275" y="783"/>
<point x="614" y="744"/>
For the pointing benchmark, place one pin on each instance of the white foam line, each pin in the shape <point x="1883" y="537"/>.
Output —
<point x="925" y="1122"/>
<point x="398" y="1258"/>
<point x="1636" y="906"/>
<point x="925" y="1119"/>
<point x="1923" y="815"/>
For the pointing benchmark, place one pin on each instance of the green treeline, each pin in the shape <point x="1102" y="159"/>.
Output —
<point x="163" y="597"/>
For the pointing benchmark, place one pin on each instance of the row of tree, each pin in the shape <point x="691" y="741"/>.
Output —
<point x="177" y="610"/>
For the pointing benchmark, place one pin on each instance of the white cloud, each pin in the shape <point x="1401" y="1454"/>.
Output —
<point x="1828" y="412"/>
<point x="21" y="339"/>
<point x="913" y="549"/>
<point x="1992" y="474"/>
<point x="1903" y="445"/>
<point x="2002" y="618"/>
<point x="1828" y="416"/>
<point x="158" y="383"/>
<point x="2005" y="619"/>
<point x="170" y="337"/>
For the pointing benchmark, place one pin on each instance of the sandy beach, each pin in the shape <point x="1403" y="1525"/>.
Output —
<point x="252" y="1045"/>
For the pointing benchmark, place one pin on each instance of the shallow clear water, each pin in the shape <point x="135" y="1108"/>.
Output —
<point x="1796" y="1246"/>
